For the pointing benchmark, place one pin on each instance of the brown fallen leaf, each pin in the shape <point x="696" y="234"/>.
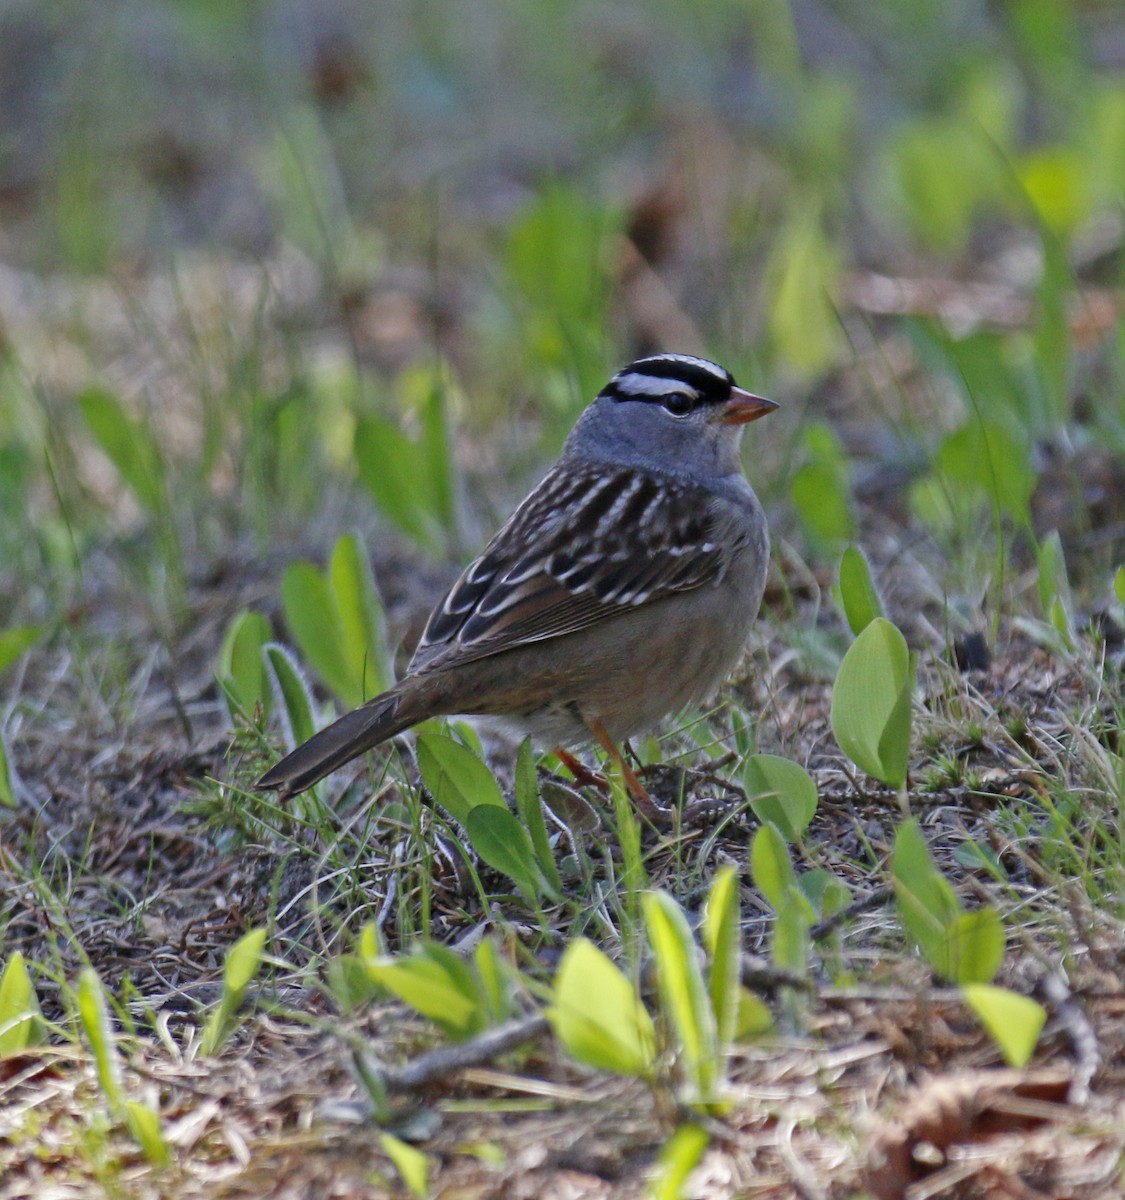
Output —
<point x="950" y="1109"/>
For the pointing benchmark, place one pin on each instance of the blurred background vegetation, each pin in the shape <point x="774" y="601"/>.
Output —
<point x="253" y="255"/>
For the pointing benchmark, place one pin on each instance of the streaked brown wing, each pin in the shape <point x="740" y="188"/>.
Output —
<point x="585" y="545"/>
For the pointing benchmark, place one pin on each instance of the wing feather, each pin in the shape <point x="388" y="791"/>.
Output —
<point x="585" y="545"/>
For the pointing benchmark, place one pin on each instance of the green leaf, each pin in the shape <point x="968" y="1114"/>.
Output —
<point x="928" y="904"/>
<point x="973" y="947"/>
<point x="455" y="777"/>
<point x="678" y="1157"/>
<point x="781" y="792"/>
<point x="1119" y="584"/>
<point x="395" y="470"/>
<point x="243" y="961"/>
<point x="1013" y="1021"/>
<point x="310" y="613"/>
<point x="722" y="935"/>
<point x="129" y="445"/>
<point x="411" y="1164"/>
<point x="7" y="780"/>
<point x="145" y="1128"/>
<point x="801" y="277"/>
<point x="530" y="809"/>
<point x="821" y="490"/>
<point x="242" y="667"/>
<point x="858" y="594"/>
<point x="292" y="693"/>
<point x="772" y="867"/>
<point x="93" y="1015"/>
<point x="503" y="842"/>
<point x="871" y="703"/>
<point x="21" y="1023"/>
<point x="15" y="641"/>
<point x="754" y="1016"/>
<point x="437" y="984"/>
<point x="684" y="994"/>
<point x="359" y="618"/>
<point x="598" y="1016"/>
<point x="790" y="950"/>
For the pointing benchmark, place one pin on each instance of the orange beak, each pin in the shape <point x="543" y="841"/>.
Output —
<point x="744" y="407"/>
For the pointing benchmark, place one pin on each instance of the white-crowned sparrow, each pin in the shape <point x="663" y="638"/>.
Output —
<point x="622" y="589"/>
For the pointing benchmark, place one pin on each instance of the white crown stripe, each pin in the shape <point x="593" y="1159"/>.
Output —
<point x="633" y="384"/>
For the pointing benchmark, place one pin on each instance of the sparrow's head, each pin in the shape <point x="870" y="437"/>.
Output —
<point x="671" y="411"/>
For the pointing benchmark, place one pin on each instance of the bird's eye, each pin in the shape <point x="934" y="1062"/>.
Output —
<point x="677" y="403"/>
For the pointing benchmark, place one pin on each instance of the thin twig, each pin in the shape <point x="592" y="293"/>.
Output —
<point x="874" y="899"/>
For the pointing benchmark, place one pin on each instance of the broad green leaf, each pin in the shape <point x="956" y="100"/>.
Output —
<point x="598" y="1016"/>
<point x="1054" y="583"/>
<point x="530" y="809"/>
<point x="455" y="777"/>
<point x="242" y="668"/>
<point x="973" y="947"/>
<point x="496" y="979"/>
<point x="678" y="1157"/>
<point x="801" y="277"/>
<point x="411" y="1164"/>
<point x="825" y="892"/>
<point x="782" y="792"/>
<point x="129" y="445"/>
<point x="754" y="1016"/>
<point x="983" y="458"/>
<point x="683" y="992"/>
<point x="871" y="703"/>
<point x="7" y="782"/>
<point x="243" y="961"/>
<point x="440" y="987"/>
<point x="310" y="613"/>
<point x="821" y="490"/>
<point x="858" y="595"/>
<point x="1119" y="584"/>
<point x="790" y="949"/>
<point x="144" y="1125"/>
<point x="1057" y="183"/>
<point x="291" y="692"/>
<point x="722" y="935"/>
<point x="503" y="842"/>
<point x="927" y="902"/>
<point x="771" y="866"/>
<point x="394" y="470"/>
<point x="93" y="1015"/>
<point x="1013" y="1021"/>
<point x="359" y="616"/>
<point x="13" y="643"/>
<point x="21" y="1023"/>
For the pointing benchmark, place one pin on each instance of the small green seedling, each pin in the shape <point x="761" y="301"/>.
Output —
<point x="782" y="792"/>
<point x="461" y="997"/>
<point x="244" y="960"/>
<point x="291" y="693"/>
<point x="15" y="642"/>
<point x="1013" y="1021"/>
<point x="336" y="618"/>
<point x="871" y="704"/>
<point x="21" y="1022"/>
<point x="821" y="490"/>
<point x="412" y="1165"/>
<point x="242" y="670"/>
<point x="597" y="1015"/>
<point x="678" y="1157"/>
<point x="456" y="778"/>
<point x="859" y="598"/>
<point x="412" y="479"/>
<point x="685" y="998"/>
<point x="93" y="1016"/>
<point x="963" y="947"/>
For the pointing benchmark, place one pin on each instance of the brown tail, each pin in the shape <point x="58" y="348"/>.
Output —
<point x="339" y="743"/>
